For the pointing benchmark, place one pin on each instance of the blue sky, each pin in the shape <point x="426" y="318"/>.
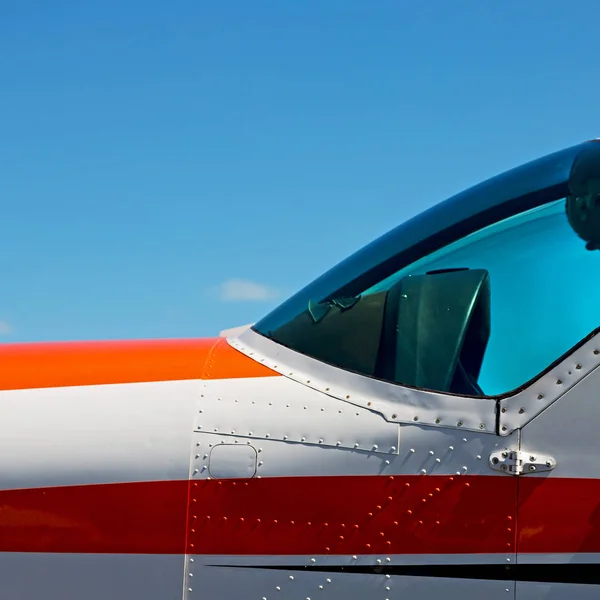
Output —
<point x="172" y="169"/>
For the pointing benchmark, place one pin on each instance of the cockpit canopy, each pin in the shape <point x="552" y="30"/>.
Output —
<point x="476" y="296"/>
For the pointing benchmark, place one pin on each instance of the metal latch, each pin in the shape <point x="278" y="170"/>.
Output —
<point x="518" y="462"/>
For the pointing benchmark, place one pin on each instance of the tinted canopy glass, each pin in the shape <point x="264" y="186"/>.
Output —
<point x="475" y="297"/>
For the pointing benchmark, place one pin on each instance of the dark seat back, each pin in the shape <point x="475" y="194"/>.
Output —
<point x="435" y="331"/>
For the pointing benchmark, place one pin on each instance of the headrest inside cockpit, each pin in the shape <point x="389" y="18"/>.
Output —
<point x="428" y="331"/>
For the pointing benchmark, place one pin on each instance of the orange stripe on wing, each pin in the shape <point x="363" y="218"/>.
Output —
<point x="64" y="364"/>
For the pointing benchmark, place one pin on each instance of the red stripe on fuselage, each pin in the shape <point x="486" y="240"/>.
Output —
<point x="130" y="518"/>
<point x="306" y="515"/>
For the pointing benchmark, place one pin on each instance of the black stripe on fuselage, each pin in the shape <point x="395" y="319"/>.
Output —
<point x="582" y="573"/>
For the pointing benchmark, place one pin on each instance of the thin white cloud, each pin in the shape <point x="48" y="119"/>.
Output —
<point x="5" y="328"/>
<point x="242" y="290"/>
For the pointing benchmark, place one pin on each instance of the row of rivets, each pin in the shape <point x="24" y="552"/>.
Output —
<point x="326" y="389"/>
<point x="558" y="382"/>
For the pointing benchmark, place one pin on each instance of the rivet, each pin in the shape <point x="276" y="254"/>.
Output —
<point x="393" y="449"/>
<point x="438" y="420"/>
<point x="596" y="351"/>
<point x="375" y="447"/>
<point x="424" y="471"/>
<point x="291" y="577"/>
<point x="394" y="416"/>
<point x="338" y="443"/>
<point x="438" y="460"/>
<point x="578" y="366"/>
<point x="379" y="560"/>
<point x="312" y="560"/>
<point x="412" y="450"/>
<point x="431" y="452"/>
<point x="482" y="426"/>
<point x="320" y="440"/>
<point x="503" y="409"/>
<point x="504" y="428"/>
<point x="460" y="423"/>
<point x="356" y="445"/>
<point x="278" y="588"/>
<point x="558" y="382"/>
<point x="450" y="448"/>
<point x="415" y="418"/>
<point x="521" y="410"/>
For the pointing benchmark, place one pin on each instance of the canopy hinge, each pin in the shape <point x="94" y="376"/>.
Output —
<point x="518" y="462"/>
